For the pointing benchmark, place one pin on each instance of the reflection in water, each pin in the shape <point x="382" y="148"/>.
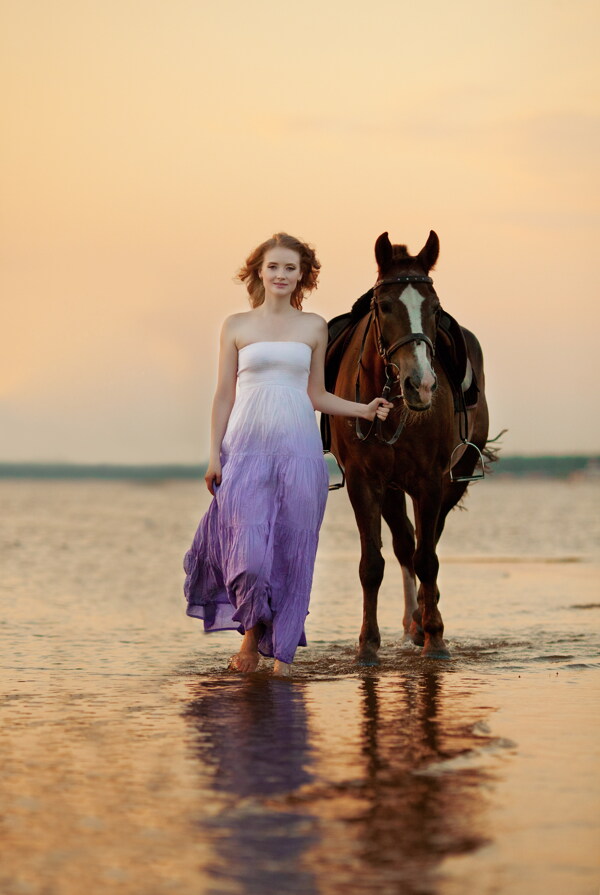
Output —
<point x="253" y="735"/>
<point x="379" y="806"/>
<point x="414" y="817"/>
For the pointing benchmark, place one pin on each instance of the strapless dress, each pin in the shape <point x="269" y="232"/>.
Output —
<point x="252" y="557"/>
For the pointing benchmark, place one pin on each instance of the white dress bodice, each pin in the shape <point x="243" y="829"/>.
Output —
<point x="273" y="412"/>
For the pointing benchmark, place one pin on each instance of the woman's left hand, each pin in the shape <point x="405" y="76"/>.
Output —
<point x="379" y="408"/>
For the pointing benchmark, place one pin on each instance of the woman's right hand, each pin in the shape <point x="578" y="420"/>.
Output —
<point x="213" y="475"/>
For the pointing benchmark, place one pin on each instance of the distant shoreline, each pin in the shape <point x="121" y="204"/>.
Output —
<point x="542" y="466"/>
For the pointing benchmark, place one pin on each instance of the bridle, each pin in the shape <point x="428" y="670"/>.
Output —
<point x="386" y="354"/>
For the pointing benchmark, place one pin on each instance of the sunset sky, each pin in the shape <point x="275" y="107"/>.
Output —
<point x="148" y="146"/>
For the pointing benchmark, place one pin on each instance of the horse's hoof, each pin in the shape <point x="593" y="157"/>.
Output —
<point x="367" y="658"/>
<point x="437" y="650"/>
<point x="416" y="634"/>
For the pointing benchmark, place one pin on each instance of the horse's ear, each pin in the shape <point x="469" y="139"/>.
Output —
<point x="383" y="251"/>
<point x="430" y="251"/>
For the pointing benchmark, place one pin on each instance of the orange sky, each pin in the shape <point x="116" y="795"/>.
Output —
<point x="148" y="146"/>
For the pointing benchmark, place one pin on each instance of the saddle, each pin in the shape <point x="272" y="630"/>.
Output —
<point x="450" y="348"/>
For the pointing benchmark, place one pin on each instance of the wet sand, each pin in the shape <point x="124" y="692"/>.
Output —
<point x="132" y="762"/>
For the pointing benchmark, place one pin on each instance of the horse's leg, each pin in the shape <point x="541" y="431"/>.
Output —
<point x="452" y="493"/>
<point x="403" y="535"/>
<point x="427" y="511"/>
<point x="367" y="510"/>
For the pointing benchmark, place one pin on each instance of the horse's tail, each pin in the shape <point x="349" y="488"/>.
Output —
<point x="491" y="449"/>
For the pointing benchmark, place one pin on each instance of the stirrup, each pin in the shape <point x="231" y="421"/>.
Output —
<point x="468" y="478"/>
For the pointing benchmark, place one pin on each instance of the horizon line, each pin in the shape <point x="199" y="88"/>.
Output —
<point x="553" y="465"/>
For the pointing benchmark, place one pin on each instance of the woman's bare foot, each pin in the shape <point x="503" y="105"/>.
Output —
<point x="282" y="669"/>
<point x="247" y="659"/>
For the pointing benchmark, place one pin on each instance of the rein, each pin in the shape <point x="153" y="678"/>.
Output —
<point x="385" y="354"/>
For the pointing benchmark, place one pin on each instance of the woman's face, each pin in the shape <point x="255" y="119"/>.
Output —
<point x="280" y="272"/>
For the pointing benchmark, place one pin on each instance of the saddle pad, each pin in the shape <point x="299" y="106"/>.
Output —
<point x="451" y="349"/>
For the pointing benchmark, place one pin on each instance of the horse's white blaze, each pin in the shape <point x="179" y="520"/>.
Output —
<point x="413" y="301"/>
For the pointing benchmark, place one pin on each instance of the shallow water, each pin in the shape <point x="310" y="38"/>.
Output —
<point x="132" y="762"/>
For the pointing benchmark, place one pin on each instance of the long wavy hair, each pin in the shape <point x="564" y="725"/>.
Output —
<point x="309" y="269"/>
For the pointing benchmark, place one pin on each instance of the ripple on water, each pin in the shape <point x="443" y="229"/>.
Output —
<point x="582" y="666"/>
<point x="324" y="660"/>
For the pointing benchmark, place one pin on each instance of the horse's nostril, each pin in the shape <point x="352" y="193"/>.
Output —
<point x="434" y="386"/>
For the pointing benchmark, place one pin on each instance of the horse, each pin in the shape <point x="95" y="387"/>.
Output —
<point x="398" y="342"/>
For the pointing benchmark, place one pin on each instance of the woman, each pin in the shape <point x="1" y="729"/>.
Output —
<point x="251" y="562"/>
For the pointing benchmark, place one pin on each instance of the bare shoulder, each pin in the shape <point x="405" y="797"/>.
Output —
<point x="316" y="321"/>
<point x="318" y="325"/>
<point x="235" y="319"/>
<point x="233" y="324"/>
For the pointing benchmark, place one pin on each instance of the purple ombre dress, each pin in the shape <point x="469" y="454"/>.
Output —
<point x="253" y="554"/>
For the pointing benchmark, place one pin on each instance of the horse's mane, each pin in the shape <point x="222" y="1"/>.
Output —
<point x="361" y="306"/>
<point x="399" y="253"/>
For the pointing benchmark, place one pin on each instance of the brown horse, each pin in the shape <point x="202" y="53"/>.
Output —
<point x="430" y="444"/>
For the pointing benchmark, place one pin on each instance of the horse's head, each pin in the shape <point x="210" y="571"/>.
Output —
<point x="406" y="311"/>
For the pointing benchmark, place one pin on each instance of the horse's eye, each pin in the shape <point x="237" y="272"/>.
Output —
<point x="386" y="306"/>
